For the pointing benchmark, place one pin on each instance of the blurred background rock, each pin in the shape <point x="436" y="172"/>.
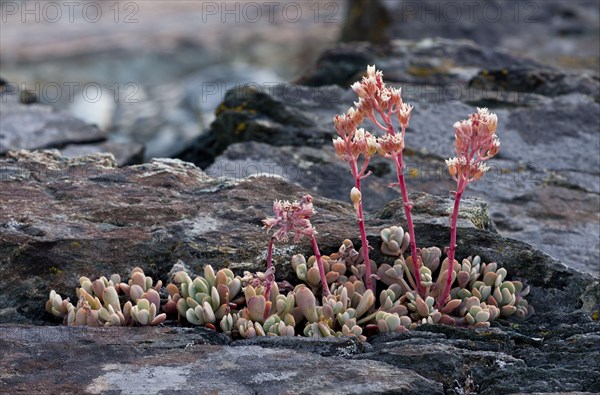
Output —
<point x="160" y="67"/>
<point x="153" y="72"/>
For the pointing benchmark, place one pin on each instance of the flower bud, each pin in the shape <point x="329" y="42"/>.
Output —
<point x="340" y="148"/>
<point x="492" y="123"/>
<point x="395" y="97"/>
<point x="404" y="114"/>
<point x="371" y="70"/>
<point x="372" y="145"/>
<point x="451" y="163"/>
<point x="479" y="171"/>
<point x="355" y="196"/>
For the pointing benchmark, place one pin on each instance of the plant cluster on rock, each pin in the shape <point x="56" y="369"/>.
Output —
<point x="345" y="293"/>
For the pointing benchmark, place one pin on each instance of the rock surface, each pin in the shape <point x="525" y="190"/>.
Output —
<point x="125" y="154"/>
<point x="62" y="218"/>
<point x="556" y="32"/>
<point x="36" y="126"/>
<point x="527" y="359"/>
<point x="538" y="190"/>
<point x="27" y="124"/>
<point x="183" y="361"/>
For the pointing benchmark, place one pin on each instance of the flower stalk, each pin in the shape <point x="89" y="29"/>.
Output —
<point x="317" y="253"/>
<point x="270" y="273"/>
<point x="350" y="144"/>
<point x="476" y="142"/>
<point x="376" y="98"/>
<point x="356" y="197"/>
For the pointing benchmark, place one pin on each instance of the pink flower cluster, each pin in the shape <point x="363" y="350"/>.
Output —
<point x="476" y="141"/>
<point x="291" y="217"/>
<point x="353" y="144"/>
<point x="374" y="97"/>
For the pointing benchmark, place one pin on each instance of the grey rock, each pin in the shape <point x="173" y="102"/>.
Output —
<point x="31" y="125"/>
<point x="205" y="90"/>
<point x="426" y="61"/>
<point x="285" y="114"/>
<point x="327" y="347"/>
<point x="36" y="126"/>
<point x="125" y="154"/>
<point x="153" y="76"/>
<point x="63" y="218"/>
<point x="494" y="361"/>
<point x="556" y="32"/>
<point x="97" y="110"/>
<point x="164" y="360"/>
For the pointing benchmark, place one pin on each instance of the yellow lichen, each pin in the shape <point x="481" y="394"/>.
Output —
<point x="55" y="270"/>
<point x="240" y="127"/>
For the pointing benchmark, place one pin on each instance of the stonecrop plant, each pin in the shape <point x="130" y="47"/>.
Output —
<point x="345" y="293"/>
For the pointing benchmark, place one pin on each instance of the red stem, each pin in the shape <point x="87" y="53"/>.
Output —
<point x="361" y="229"/>
<point x="399" y="161"/>
<point x="452" y="249"/>
<point x="315" y="247"/>
<point x="269" y="264"/>
<point x="411" y="228"/>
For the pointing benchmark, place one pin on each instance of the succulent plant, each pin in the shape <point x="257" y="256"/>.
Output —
<point x="257" y="307"/>
<point x="392" y="322"/>
<point x="276" y="326"/>
<point x="97" y="286"/>
<point x="227" y="323"/>
<point x="422" y="310"/>
<point x="343" y="267"/>
<point x="139" y="284"/>
<point x="57" y="306"/>
<point x="144" y="313"/>
<point x="173" y="296"/>
<point x="99" y="303"/>
<point x="308" y="271"/>
<point x="339" y="312"/>
<point x="474" y="281"/>
<point x="394" y="241"/>
<point x="205" y="300"/>
<point x="249" y="329"/>
<point x="480" y="294"/>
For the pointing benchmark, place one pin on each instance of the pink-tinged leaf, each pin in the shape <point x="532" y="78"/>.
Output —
<point x="451" y="306"/>
<point x="159" y="319"/>
<point x="256" y="307"/>
<point x="136" y="292"/>
<point x="153" y="297"/>
<point x="139" y="279"/>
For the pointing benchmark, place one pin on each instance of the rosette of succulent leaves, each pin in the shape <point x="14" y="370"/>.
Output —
<point x="236" y="305"/>
<point x="345" y="293"/>
<point x="109" y="302"/>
